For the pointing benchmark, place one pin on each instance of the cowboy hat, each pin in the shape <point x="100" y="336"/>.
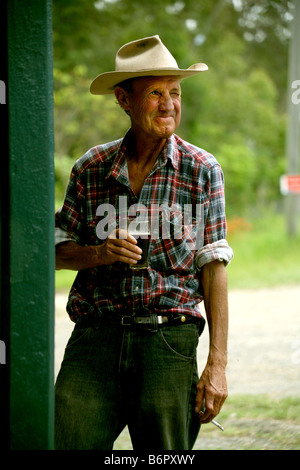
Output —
<point x="142" y="58"/>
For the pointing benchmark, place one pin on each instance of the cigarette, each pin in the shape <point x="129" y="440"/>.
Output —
<point x="218" y="425"/>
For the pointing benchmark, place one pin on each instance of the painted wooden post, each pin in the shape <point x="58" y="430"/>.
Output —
<point x="30" y="233"/>
<point x="4" y="260"/>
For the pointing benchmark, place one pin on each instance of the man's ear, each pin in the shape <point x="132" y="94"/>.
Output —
<point x="122" y="98"/>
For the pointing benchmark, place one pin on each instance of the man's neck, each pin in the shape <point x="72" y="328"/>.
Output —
<point x="144" y="151"/>
<point x="141" y="157"/>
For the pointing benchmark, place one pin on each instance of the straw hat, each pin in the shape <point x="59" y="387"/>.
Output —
<point x="142" y="58"/>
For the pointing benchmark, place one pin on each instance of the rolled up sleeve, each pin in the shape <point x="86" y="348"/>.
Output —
<point x="215" y="245"/>
<point x="62" y="236"/>
<point x="219" y="250"/>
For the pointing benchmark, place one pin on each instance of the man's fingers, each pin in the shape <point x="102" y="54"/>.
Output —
<point x="124" y="250"/>
<point x="199" y="398"/>
<point x="210" y="398"/>
<point x="208" y="414"/>
<point x="121" y="234"/>
<point x="212" y="407"/>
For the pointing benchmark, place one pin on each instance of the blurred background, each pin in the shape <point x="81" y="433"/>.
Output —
<point x="238" y="111"/>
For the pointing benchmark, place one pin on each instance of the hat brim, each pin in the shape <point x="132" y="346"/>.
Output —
<point x="105" y="83"/>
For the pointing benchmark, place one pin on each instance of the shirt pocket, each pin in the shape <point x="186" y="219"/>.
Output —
<point x="174" y="245"/>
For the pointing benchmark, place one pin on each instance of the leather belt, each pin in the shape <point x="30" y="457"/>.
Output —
<point x="159" y="320"/>
<point x="152" y="322"/>
<point x="149" y="322"/>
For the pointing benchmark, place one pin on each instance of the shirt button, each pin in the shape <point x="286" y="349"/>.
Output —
<point x="137" y="288"/>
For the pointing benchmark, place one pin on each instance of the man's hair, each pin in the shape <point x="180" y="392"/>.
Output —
<point x="126" y="85"/>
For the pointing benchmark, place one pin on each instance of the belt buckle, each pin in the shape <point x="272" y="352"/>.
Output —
<point x="123" y="320"/>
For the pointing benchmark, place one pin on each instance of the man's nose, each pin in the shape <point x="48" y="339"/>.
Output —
<point x="166" y="102"/>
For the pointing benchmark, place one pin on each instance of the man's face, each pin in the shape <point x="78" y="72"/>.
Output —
<point x="155" y="106"/>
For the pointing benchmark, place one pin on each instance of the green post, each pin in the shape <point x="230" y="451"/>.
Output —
<point x="31" y="219"/>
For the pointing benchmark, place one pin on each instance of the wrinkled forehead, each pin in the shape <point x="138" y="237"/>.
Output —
<point x="141" y="83"/>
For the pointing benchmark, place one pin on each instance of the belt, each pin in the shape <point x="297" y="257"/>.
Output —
<point x="152" y="322"/>
<point x="149" y="322"/>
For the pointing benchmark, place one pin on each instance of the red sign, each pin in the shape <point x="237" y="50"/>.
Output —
<point x="290" y="184"/>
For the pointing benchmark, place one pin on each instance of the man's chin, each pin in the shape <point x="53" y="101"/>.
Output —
<point x="164" y="132"/>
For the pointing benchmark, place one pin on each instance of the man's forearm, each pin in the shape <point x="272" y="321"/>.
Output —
<point x="72" y="256"/>
<point x="214" y="282"/>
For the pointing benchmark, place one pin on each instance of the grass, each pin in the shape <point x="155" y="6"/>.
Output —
<point x="255" y="422"/>
<point x="262" y="407"/>
<point x="64" y="279"/>
<point x="263" y="255"/>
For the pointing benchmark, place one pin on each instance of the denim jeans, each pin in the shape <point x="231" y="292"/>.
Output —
<point x="112" y="377"/>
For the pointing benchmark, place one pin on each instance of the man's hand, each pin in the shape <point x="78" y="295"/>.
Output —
<point x="119" y="246"/>
<point x="211" y="393"/>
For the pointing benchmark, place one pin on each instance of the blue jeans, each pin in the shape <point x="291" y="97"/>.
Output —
<point x="112" y="377"/>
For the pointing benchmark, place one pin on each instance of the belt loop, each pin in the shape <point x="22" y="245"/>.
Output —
<point x="126" y="320"/>
<point x="154" y="322"/>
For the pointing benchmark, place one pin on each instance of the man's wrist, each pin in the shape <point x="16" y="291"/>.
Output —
<point x="217" y="359"/>
<point x="96" y="253"/>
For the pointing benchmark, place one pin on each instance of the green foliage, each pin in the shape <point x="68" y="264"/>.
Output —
<point x="81" y="119"/>
<point x="233" y="111"/>
<point x="63" y="165"/>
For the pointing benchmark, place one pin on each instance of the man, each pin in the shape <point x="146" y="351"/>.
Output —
<point x="131" y="359"/>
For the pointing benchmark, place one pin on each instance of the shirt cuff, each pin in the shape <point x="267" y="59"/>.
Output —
<point x="63" y="236"/>
<point x="219" y="250"/>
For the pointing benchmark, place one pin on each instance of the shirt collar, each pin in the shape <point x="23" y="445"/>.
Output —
<point x="119" y="167"/>
<point x="170" y="151"/>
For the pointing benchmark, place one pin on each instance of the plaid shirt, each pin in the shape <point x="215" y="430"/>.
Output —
<point x="183" y="174"/>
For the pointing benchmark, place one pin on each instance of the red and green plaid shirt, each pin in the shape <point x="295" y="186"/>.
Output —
<point x="183" y="175"/>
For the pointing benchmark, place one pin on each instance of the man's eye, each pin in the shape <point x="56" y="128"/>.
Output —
<point x="155" y="93"/>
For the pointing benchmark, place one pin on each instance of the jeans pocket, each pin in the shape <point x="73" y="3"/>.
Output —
<point x="181" y="340"/>
<point x="77" y="335"/>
